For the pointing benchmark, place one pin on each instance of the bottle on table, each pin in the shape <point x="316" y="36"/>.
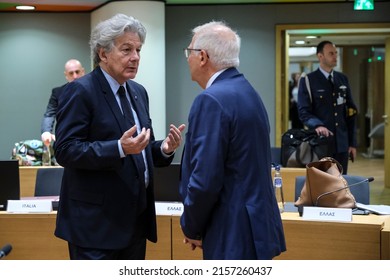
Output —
<point x="46" y="156"/>
<point x="278" y="187"/>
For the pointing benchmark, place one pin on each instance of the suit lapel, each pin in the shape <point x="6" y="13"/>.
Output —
<point x="113" y="104"/>
<point x="136" y="103"/>
<point x="110" y="99"/>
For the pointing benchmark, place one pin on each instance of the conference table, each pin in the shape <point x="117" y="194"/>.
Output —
<point x="27" y="175"/>
<point x="366" y="237"/>
<point x="32" y="237"/>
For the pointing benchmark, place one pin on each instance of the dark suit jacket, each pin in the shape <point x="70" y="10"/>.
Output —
<point x="226" y="183"/>
<point x="100" y="191"/>
<point x="49" y="116"/>
<point x="323" y="109"/>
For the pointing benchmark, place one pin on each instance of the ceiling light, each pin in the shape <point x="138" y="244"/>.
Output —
<point x="25" y="8"/>
<point x="311" y="37"/>
<point x="300" y="42"/>
<point x="301" y="51"/>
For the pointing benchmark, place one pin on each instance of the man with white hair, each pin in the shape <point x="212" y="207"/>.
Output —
<point x="226" y="186"/>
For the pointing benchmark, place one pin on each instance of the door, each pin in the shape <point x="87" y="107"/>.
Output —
<point x="282" y="70"/>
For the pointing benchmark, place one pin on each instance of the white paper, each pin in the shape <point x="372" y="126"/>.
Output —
<point x="376" y="209"/>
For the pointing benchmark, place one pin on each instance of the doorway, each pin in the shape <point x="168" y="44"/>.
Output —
<point x="285" y="33"/>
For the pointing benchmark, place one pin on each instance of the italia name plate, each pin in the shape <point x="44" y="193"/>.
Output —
<point x="29" y="206"/>
<point x="327" y="214"/>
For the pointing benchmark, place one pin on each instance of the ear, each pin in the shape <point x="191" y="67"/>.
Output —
<point x="203" y="57"/>
<point x="102" y="55"/>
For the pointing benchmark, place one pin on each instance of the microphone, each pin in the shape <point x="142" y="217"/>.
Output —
<point x="5" y="250"/>
<point x="369" y="179"/>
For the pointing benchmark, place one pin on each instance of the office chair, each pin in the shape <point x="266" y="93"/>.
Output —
<point x="276" y="156"/>
<point x="48" y="181"/>
<point x="361" y="192"/>
<point x="378" y="132"/>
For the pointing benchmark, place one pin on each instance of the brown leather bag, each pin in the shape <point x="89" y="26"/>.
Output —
<point x="325" y="186"/>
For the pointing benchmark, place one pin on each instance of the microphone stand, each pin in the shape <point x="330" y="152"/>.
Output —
<point x="370" y="179"/>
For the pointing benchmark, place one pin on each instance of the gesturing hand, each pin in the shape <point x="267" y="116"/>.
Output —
<point x="135" y="145"/>
<point x="173" y="139"/>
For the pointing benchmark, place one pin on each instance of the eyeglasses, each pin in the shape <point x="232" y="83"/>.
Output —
<point x="187" y="51"/>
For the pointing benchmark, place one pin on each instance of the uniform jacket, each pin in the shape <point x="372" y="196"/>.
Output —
<point x="100" y="191"/>
<point x="226" y="184"/>
<point x="50" y="115"/>
<point x="334" y="110"/>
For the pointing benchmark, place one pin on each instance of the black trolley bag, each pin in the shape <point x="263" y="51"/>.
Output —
<point x="301" y="146"/>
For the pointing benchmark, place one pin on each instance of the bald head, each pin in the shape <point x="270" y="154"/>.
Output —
<point x="73" y="70"/>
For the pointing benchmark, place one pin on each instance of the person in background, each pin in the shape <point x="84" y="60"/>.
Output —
<point x="328" y="106"/>
<point x="73" y="70"/>
<point x="105" y="143"/>
<point x="230" y="209"/>
<point x="293" y="93"/>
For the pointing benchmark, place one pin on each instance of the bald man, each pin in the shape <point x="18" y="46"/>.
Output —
<point x="73" y="70"/>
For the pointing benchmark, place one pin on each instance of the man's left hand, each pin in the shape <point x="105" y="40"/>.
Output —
<point x="193" y="243"/>
<point x="173" y="140"/>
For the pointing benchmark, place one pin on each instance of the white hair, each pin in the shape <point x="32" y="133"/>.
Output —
<point x="221" y="43"/>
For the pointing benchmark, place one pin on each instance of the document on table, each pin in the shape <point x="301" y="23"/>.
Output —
<point x="376" y="209"/>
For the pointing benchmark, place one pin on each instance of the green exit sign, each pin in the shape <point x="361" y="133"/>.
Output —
<point x="363" y="5"/>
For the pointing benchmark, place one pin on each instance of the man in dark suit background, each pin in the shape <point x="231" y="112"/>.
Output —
<point x="327" y="105"/>
<point x="73" y="70"/>
<point x="106" y="208"/>
<point x="226" y="187"/>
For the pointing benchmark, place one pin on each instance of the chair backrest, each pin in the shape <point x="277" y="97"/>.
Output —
<point x="378" y="131"/>
<point x="360" y="191"/>
<point x="276" y="155"/>
<point x="166" y="180"/>
<point x="48" y="181"/>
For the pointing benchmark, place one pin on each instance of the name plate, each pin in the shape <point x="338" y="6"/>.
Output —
<point x="327" y="214"/>
<point x="29" y="206"/>
<point x="169" y="208"/>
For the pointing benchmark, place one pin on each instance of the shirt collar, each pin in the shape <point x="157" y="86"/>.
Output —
<point x="114" y="85"/>
<point x="213" y="77"/>
<point x="326" y="74"/>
